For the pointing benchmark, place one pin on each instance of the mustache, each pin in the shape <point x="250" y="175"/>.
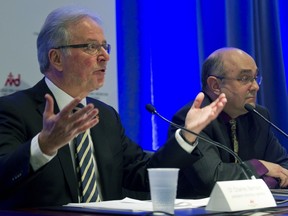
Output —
<point x="252" y="94"/>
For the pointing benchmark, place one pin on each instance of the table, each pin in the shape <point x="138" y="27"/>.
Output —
<point x="281" y="209"/>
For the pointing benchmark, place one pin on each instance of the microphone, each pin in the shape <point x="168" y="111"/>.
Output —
<point x="246" y="170"/>
<point x="250" y="108"/>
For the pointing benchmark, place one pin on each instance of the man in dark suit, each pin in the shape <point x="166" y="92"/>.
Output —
<point x="38" y="125"/>
<point x="235" y="73"/>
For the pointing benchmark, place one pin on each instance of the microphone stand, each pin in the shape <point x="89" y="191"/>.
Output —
<point x="250" y="108"/>
<point x="246" y="170"/>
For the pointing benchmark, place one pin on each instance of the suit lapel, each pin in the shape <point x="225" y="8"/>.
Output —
<point x="65" y="159"/>
<point x="63" y="154"/>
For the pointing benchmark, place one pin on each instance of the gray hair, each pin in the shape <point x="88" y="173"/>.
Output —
<point x="213" y="65"/>
<point x="54" y="31"/>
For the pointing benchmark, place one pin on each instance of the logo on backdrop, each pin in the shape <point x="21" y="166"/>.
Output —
<point x="12" y="83"/>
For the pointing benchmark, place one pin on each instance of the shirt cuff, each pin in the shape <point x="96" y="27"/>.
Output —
<point x="186" y="146"/>
<point x="270" y="182"/>
<point x="259" y="168"/>
<point x="37" y="157"/>
<point x="261" y="171"/>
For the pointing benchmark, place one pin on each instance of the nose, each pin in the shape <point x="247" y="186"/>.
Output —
<point x="254" y="85"/>
<point x="103" y="56"/>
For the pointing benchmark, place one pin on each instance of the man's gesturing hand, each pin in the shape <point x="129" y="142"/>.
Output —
<point x="59" y="129"/>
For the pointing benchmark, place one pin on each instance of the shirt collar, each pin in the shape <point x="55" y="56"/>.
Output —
<point x="61" y="97"/>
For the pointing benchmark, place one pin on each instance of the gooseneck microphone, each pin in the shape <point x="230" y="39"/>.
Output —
<point x="250" y="108"/>
<point x="246" y="170"/>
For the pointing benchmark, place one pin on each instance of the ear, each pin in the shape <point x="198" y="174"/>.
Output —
<point x="55" y="58"/>
<point x="213" y="85"/>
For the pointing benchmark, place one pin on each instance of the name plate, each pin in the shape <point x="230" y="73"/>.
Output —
<point x="240" y="195"/>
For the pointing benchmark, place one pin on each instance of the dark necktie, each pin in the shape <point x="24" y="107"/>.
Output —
<point x="85" y="168"/>
<point x="234" y="136"/>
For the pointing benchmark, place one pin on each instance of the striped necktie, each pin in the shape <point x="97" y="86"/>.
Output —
<point x="85" y="168"/>
<point x="234" y="136"/>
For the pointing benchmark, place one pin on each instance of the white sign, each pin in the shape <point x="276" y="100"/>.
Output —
<point x="240" y="195"/>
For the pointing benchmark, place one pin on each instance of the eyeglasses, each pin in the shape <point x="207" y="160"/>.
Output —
<point x="244" y="79"/>
<point x="90" y="48"/>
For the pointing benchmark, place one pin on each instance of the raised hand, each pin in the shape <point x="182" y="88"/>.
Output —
<point x="59" y="129"/>
<point x="198" y="118"/>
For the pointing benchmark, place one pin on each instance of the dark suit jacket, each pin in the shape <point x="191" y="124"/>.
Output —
<point x="256" y="141"/>
<point x="121" y="162"/>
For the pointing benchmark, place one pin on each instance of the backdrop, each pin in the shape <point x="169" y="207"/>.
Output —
<point x="162" y="44"/>
<point x="161" y="47"/>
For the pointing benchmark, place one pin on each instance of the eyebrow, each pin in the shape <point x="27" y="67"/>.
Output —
<point x="96" y="41"/>
<point x="248" y="71"/>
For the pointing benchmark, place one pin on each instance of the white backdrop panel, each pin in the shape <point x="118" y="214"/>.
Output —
<point x="20" y="22"/>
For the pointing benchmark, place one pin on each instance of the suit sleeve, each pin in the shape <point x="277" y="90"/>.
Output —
<point x="215" y="164"/>
<point x="130" y="157"/>
<point x="136" y="161"/>
<point x="14" y="147"/>
<point x="200" y="177"/>
<point x="275" y="152"/>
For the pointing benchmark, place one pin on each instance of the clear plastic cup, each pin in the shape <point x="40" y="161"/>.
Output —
<point x="163" y="188"/>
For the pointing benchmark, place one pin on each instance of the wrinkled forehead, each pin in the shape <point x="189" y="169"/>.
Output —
<point x="86" y="29"/>
<point x="238" y="62"/>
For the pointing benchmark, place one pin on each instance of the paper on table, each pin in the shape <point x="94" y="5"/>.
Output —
<point x="139" y="205"/>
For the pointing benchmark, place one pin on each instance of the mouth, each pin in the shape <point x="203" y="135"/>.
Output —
<point x="251" y="96"/>
<point x="100" y="71"/>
